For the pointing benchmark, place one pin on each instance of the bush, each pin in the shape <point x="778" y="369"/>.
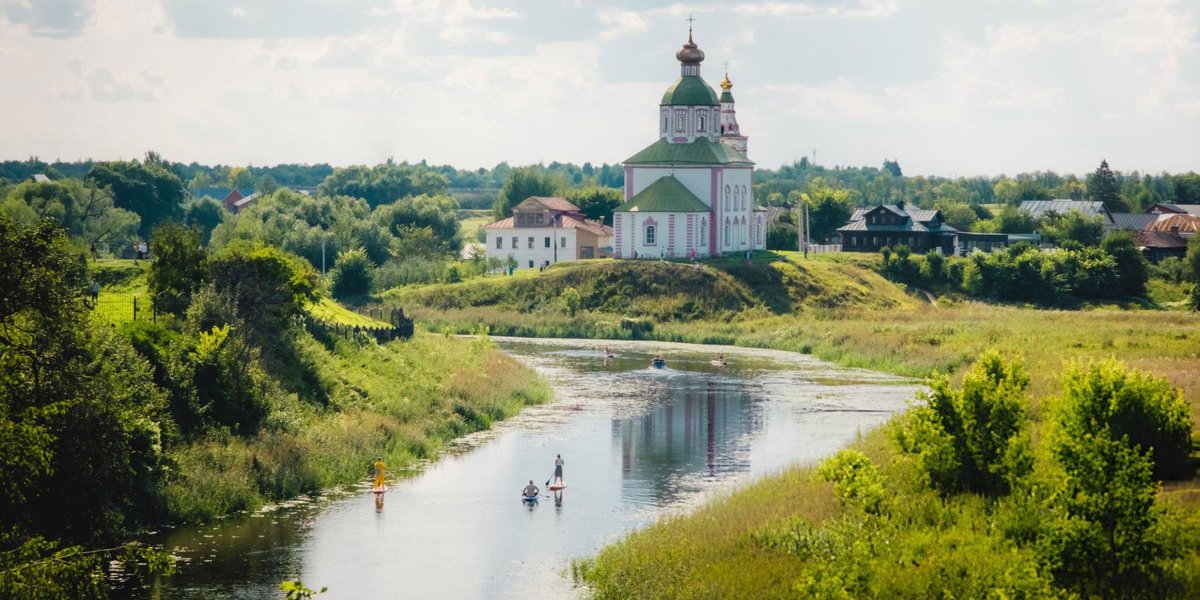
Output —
<point x="1105" y="399"/>
<point x="352" y="275"/>
<point x="178" y="267"/>
<point x="973" y="439"/>
<point x="856" y="481"/>
<point x="570" y="300"/>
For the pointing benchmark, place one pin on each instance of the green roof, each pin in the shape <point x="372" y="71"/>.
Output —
<point x="690" y="90"/>
<point x="700" y="152"/>
<point x="664" y="195"/>
<point x="726" y="97"/>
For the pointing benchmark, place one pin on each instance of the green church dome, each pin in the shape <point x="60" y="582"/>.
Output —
<point x="690" y="90"/>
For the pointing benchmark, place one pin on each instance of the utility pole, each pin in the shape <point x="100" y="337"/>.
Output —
<point x="322" y="253"/>
<point x="807" y="231"/>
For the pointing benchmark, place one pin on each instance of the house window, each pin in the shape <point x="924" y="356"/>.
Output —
<point x="499" y="242"/>
<point x="562" y="242"/>
<point x="515" y="238"/>
<point x="531" y="242"/>
<point x="547" y="242"/>
<point x="651" y="230"/>
<point x="875" y="241"/>
<point x="541" y="218"/>
<point x="531" y="264"/>
<point x="853" y="240"/>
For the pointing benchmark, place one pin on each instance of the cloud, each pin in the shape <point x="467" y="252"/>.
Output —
<point x="102" y="85"/>
<point x="48" y="18"/>
<point x="230" y="19"/>
<point x="621" y="22"/>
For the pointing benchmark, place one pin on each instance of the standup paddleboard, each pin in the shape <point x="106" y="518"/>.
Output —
<point x="380" y="490"/>
<point x="558" y="486"/>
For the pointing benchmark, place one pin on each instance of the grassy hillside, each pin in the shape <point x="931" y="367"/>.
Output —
<point x="670" y="291"/>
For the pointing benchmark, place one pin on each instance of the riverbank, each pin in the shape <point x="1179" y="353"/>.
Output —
<point x="403" y="401"/>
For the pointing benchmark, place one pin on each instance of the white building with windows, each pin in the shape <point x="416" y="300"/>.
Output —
<point x="690" y="193"/>
<point x="545" y="231"/>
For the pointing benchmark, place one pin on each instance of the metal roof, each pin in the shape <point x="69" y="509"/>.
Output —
<point x="1132" y="221"/>
<point x="1038" y="208"/>
<point x="700" y="152"/>
<point x="666" y="194"/>
<point x="689" y="90"/>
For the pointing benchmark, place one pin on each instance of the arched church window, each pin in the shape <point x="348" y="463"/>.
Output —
<point x="726" y="231"/>
<point x="727" y="205"/>
<point x="703" y="232"/>
<point x="650" y="235"/>
<point x="745" y="197"/>
<point x="700" y="119"/>
<point x="679" y="121"/>
<point x="737" y="200"/>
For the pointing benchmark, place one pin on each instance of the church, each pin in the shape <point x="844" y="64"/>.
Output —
<point x="690" y="193"/>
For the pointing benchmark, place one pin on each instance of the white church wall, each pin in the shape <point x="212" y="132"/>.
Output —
<point x="697" y="180"/>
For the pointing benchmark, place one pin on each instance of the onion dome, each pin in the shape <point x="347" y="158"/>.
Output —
<point x="690" y="53"/>
<point x="726" y="85"/>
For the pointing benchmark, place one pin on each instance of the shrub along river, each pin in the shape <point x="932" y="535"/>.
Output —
<point x="638" y="443"/>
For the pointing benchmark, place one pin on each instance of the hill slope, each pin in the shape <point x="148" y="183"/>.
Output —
<point x="665" y="291"/>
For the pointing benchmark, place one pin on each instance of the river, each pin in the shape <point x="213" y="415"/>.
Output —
<point x="638" y="443"/>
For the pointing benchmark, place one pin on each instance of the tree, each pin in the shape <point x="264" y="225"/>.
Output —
<point x="1146" y="412"/>
<point x="79" y="440"/>
<point x="149" y="190"/>
<point x="86" y="212"/>
<point x="383" y="184"/>
<point x="1073" y="226"/>
<point x="597" y="203"/>
<point x="893" y="167"/>
<point x="973" y="438"/>
<point x="1132" y="267"/>
<point x="828" y="209"/>
<point x="1102" y="185"/>
<point x="178" y="267"/>
<point x="204" y="214"/>
<point x="522" y="184"/>
<point x="352" y="275"/>
<point x="264" y="288"/>
<point x="438" y="213"/>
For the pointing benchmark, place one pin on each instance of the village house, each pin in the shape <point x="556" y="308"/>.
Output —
<point x="233" y="199"/>
<point x="922" y="230"/>
<point x="545" y="231"/>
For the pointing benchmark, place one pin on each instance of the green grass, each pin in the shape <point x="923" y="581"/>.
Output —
<point x="121" y="283"/>
<point x="786" y="536"/>
<point x="471" y="220"/>
<point x="402" y="401"/>
<point x="329" y="311"/>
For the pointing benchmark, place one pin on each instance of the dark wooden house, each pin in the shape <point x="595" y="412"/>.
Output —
<point x="921" y="230"/>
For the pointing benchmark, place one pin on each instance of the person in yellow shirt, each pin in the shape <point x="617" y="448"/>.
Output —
<point x="380" y="471"/>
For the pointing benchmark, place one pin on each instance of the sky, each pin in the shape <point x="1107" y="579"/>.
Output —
<point x="945" y="87"/>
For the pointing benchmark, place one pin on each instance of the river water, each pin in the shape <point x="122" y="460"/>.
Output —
<point x="638" y="443"/>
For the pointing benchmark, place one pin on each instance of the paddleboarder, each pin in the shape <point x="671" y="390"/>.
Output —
<point x="558" y="468"/>
<point x="531" y="491"/>
<point x="380" y="471"/>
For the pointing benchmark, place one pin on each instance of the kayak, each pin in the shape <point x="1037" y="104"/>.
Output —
<point x="659" y="364"/>
<point x="718" y="363"/>
<point x="530" y="499"/>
